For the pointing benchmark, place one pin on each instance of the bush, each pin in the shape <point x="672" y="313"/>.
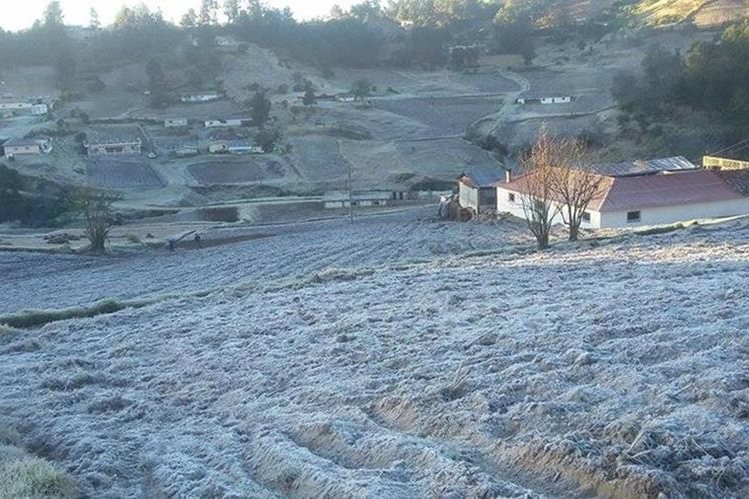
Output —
<point x="132" y="239"/>
<point x="34" y="478"/>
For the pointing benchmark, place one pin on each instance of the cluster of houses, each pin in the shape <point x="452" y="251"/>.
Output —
<point x="633" y="193"/>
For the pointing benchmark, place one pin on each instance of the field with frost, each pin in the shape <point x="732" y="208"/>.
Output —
<point x="392" y="358"/>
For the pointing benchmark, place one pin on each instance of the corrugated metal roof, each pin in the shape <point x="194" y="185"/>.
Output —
<point x="635" y="192"/>
<point x="484" y="178"/>
<point x="644" y="167"/>
<point x="666" y="189"/>
<point x="113" y="134"/>
<point x="24" y="142"/>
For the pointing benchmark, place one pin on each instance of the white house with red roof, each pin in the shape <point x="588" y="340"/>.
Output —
<point x="650" y="193"/>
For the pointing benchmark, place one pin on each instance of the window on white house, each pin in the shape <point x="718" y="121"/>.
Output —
<point x="586" y="216"/>
<point x="511" y="197"/>
<point x="633" y="216"/>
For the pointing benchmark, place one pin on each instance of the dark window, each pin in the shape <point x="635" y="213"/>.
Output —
<point x="586" y="216"/>
<point x="633" y="216"/>
<point x="511" y="197"/>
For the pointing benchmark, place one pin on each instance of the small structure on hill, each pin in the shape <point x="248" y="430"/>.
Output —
<point x="545" y="99"/>
<point x="477" y="190"/>
<point x="717" y="163"/>
<point x="175" y="122"/>
<point x="22" y="147"/>
<point x="218" y="147"/>
<point x="10" y="107"/>
<point x="227" y="42"/>
<point x="186" y="150"/>
<point x="346" y="199"/>
<point x="224" y="123"/>
<point x="113" y="142"/>
<point x="195" y="97"/>
<point x="242" y="147"/>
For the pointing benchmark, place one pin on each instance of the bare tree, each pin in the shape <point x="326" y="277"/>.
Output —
<point x="557" y="180"/>
<point x="95" y="207"/>
<point x="536" y="182"/>
<point x="574" y="185"/>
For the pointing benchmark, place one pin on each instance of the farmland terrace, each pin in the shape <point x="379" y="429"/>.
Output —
<point x="393" y="357"/>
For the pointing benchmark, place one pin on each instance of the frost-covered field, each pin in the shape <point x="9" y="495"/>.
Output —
<point x="375" y="361"/>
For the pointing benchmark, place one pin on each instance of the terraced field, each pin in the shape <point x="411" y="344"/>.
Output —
<point x="118" y="174"/>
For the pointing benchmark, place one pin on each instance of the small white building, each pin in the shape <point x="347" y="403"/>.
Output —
<point x="192" y="98"/>
<point x="244" y="148"/>
<point x="545" y="99"/>
<point x="223" y="123"/>
<point x="175" y="122"/>
<point x="649" y="199"/>
<point x="346" y="199"/>
<point x="23" y="147"/>
<point x="113" y="141"/>
<point x="478" y="190"/>
<point x="227" y="42"/>
<point x="15" y="106"/>
<point x="218" y="147"/>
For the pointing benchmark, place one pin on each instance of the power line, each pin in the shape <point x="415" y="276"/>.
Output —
<point x="729" y="147"/>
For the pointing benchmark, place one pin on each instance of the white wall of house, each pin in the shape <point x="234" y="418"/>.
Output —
<point x="175" y="122"/>
<point x="21" y="150"/>
<point x="648" y="216"/>
<point x="672" y="214"/>
<point x="222" y="123"/>
<point x="468" y="196"/>
<point x="515" y="208"/>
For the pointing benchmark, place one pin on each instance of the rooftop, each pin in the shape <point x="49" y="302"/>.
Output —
<point x="357" y="195"/>
<point x="663" y="189"/>
<point x="644" y="167"/>
<point x="487" y="177"/>
<point x="113" y="135"/>
<point x="24" y="142"/>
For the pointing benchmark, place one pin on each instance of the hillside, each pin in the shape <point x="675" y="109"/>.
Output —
<point x="392" y="358"/>
<point x="703" y="13"/>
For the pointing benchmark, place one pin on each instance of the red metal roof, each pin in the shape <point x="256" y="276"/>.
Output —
<point x="664" y="189"/>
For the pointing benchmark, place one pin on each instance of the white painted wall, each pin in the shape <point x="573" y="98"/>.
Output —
<point x="515" y="208"/>
<point x="468" y="196"/>
<point x="648" y="216"/>
<point x="673" y="214"/>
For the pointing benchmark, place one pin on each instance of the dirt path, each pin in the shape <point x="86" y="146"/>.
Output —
<point x="490" y="122"/>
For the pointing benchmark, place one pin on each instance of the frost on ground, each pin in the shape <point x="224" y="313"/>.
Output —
<point x="619" y="368"/>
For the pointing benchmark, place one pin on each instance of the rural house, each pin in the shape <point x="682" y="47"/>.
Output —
<point x="223" y="123"/>
<point x="650" y="197"/>
<point x="716" y="163"/>
<point x="21" y="147"/>
<point x="199" y="97"/>
<point x="175" y="122"/>
<point x="545" y="99"/>
<point x="477" y="190"/>
<point x="113" y="141"/>
<point x="227" y="42"/>
<point x="346" y="199"/>
<point x="218" y="147"/>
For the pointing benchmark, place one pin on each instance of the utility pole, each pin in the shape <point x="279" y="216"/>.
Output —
<point x="350" y="193"/>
